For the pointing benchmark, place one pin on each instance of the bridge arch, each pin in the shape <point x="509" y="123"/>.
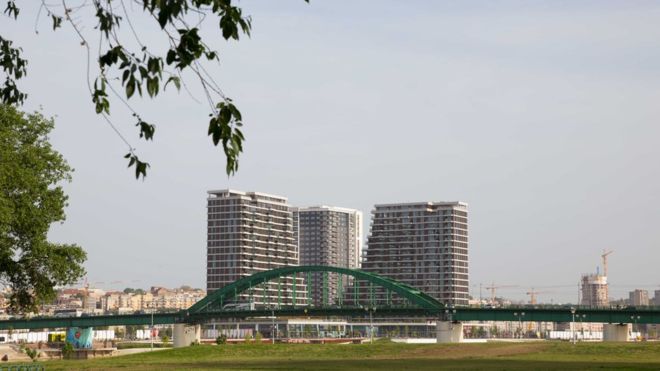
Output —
<point x="413" y="295"/>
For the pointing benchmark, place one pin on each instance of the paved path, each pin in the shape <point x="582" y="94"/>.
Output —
<point x="13" y="355"/>
<point x="124" y="352"/>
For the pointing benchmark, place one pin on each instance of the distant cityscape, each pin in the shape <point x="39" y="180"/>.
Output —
<point x="86" y="300"/>
<point x="422" y="244"/>
<point x="418" y="185"/>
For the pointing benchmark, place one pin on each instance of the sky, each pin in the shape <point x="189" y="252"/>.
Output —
<point x="541" y="115"/>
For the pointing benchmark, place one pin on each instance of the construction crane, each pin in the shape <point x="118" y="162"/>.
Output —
<point x="604" y="256"/>
<point x="492" y="289"/>
<point x="532" y="295"/>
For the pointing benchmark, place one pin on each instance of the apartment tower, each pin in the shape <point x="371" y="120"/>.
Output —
<point x="639" y="298"/>
<point x="330" y="236"/>
<point x="424" y="245"/>
<point x="250" y="232"/>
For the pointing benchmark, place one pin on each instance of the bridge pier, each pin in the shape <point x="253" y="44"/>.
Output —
<point x="449" y="332"/>
<point x="615" y="332"/>
<point x="185" y="334"/>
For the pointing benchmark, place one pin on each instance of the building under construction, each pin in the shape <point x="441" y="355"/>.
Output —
<point x="594" y="287"/>
<point x="594" y="290"/>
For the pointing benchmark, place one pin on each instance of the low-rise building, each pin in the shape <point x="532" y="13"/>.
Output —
<point x="158" y="298"/>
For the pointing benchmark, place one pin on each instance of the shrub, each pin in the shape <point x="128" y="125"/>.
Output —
<point x="33" y="354"/>
<point x="222" y="339"/>
<point x="165" y="339"/>
<point x="248" y="338"/>
<point x="67" y="350"/>
<point x="258" y="337"/>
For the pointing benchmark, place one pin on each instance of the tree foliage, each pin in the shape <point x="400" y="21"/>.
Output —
<point x="67" y="350"/>
<point x="31" y="199"/>
<point x="127" y="67"/>
<point x="33" y="354"/>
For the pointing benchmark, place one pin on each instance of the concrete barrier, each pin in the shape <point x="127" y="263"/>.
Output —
<point x="184" y="335"/>
<point x="450" y="332"/>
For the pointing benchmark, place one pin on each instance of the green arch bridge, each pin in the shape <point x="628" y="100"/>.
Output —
<point x="365" y="294"/>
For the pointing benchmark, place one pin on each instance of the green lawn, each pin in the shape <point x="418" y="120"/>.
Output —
<point x="386" y="356"/>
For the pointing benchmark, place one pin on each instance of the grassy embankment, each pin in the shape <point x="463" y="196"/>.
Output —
<point x="386" y="356"/>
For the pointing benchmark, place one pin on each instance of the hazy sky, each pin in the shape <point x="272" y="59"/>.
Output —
<point x="542" y="116"/>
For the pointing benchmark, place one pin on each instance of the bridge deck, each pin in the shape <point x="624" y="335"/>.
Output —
<point x="525" y="314"/>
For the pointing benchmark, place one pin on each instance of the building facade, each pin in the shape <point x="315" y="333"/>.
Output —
<point x="250" y="232"/>
<point x="639" y="298"/>
<point x="594" y="290"/>
<point x="424" y="245"/>
<point x="330" y="236"/>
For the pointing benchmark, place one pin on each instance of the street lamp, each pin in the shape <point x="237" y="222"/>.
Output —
<point x="371" y="322"/>
<point x="449" y="315"/>
<point x="572" y="324"/>
<point x="151" y="332"/>
<point x="273" y="329"/>
<point x="519" y="316"/>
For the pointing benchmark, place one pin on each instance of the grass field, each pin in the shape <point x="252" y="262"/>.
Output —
<point x="386" y="356"/>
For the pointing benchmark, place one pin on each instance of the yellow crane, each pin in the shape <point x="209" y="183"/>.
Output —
<point x="492" y="289"/>
<point x="532" y="295"/>
<point x="604" y="256"/>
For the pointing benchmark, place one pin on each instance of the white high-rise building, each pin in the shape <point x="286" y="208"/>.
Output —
<point x="424" y="245"/>
<point x="250" y="232"/>
<point x="329" y="236"/>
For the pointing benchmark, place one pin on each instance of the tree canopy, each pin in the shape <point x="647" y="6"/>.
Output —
<point x="31" y="199"/>
<point x="130" y="290"/>
<point x="125" y="67"/>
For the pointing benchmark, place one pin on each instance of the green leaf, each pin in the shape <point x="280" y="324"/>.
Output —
<point x="12" y="8"/>
<point x="130" y="87"/>
<point x="223" y="127"/>
<point x="152" y="86"/>
<point x="171" y="56"/>
<point x="146" y="130"/>
<point x="175" y="80"/>
<point x="140" y="166"/>
<point x="57" y="22"/>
